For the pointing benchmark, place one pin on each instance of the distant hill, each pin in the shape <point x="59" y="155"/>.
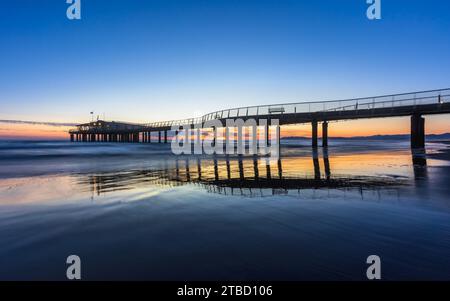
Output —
<point x="445" y="136"/>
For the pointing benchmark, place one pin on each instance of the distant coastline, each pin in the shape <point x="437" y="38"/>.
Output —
<point x="444" y="136"/>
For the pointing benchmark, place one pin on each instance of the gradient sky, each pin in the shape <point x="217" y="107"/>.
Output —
<point x="154" y="60"/>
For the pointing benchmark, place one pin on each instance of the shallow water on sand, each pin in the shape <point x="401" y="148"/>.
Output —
<point x="137" y="212"/>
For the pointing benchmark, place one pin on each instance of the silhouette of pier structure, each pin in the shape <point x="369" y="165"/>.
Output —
<point x="415" y="104"/>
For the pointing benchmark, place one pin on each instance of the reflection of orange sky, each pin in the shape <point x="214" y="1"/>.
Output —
<point x="363" y="127"/>
<point x="362" y="164"/>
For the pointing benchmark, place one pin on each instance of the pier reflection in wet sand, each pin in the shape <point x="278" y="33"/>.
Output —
<point x="239" y="175"/>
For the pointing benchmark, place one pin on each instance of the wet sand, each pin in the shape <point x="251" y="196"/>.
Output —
<point x="145" y="215"/>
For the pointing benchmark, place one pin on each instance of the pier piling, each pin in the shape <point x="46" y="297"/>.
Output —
<point x="417" y="131"/>
<point x="314" y="133"/>
<point x="325" y="134"/>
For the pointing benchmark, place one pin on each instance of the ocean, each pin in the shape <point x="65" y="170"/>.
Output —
<point x="138" y="212"/>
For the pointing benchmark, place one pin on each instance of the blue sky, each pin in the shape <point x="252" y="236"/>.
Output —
<point x="164" y="59"/>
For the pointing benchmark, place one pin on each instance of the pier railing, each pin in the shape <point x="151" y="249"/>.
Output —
<point x="384" y="101"/>
<point x="275" y="110"/>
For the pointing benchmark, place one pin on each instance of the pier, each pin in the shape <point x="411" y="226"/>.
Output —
<point x="414" y="104"/>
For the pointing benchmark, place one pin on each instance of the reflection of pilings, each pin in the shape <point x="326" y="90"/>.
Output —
<point x="177" y="169"/>
<point x="269" y="176"/>
<point x="419" y="163"/>
<point x="280" y="169"/>
<point x="255" y="167"/>
<point x="326" y="163"/>
<point x="199" y="168"/>
<point x="126" y="180"/>
<point x="216" y="170"/>
<point x="241" y="168"/>
<point x="188" y="175"/>
<point x="316" y="164"/>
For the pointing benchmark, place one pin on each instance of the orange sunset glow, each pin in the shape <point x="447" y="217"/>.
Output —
<point x="32" y="131"/>
<point x="368" y="127"/>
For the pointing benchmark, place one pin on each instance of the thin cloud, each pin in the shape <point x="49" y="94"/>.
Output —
<point x="36" y="122"/>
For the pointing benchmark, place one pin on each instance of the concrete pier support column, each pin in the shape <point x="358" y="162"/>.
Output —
<point x="165" y="136"/>
<point x="159" y="136"/>
<point x="417" y="131"/>
<point x="278" y="134"/>
<point x="325" y="134"/>
<point x="279" y="139"/>
<point x="314" y="133"/>
<point x="227" y="139"/>
<point x="71" y="137"/>
<point x="214" y="135"/>
<point x="267" y="133"/>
